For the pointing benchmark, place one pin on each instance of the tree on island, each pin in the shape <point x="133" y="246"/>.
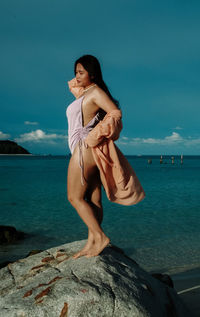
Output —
<point x="11" y="147"/>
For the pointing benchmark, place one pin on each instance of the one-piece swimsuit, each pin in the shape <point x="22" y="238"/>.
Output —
<point x="76" y="131"/>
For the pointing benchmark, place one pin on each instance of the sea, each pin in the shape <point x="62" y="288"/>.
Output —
<point x="161" y="233"/>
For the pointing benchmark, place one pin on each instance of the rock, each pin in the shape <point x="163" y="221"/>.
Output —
<point x="9" y="234"/>
<point x="11" y="147"/>
<point x="3" y="264"/>
<point x="32" y="252"/>
<point x="52" y="283"/>
<point x="165" y="278"/>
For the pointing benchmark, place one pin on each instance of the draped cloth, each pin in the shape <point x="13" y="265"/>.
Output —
<point x="118" y="178"/>
<point x="74" y="88"/>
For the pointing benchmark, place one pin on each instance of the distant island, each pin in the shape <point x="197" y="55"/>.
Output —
<point x="11" y="147"/>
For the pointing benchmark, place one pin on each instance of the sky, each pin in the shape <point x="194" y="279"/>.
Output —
<point x="149" y="52"/>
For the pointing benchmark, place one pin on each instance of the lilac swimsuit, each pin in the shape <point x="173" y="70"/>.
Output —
<point x="76" y="131"/>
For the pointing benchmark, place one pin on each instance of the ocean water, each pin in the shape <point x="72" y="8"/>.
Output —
<point x="161" y="233"/>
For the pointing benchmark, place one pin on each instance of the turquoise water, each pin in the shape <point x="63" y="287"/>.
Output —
<point x="161" y="233"/>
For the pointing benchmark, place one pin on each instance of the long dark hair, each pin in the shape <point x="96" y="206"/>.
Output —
<point x="92" y="65"/>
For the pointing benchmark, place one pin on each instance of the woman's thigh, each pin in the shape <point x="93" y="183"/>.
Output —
<point x="75" y="189"/>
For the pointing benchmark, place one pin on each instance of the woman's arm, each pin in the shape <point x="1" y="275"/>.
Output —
<point x="102" y="100"/>
<point x="108" y="128"/>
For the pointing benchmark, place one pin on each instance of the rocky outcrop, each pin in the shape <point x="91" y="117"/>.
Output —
<point x="11" y="147"/>
<point x="52" y="283"/>
<point x="9" y="234"/>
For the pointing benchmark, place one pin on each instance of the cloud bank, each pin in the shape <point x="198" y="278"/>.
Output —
<point x="174" y="138"/>
<point x="4" y="136"/>
<point x="40" y="136"/>
<point x="173" y="142"/>
<point x="30" y="123"/>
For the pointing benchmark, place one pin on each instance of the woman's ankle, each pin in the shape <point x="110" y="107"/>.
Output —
<point x="99" y="235"/>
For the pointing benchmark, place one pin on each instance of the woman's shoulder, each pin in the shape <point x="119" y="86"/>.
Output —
<point x="98" y="89"/>
<point x="98" y="93"/>
<point x="95" y="93"/>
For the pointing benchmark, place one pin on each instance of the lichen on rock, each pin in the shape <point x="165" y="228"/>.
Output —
<point x="52" y="283"/>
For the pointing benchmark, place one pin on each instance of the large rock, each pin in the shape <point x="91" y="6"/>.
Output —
<point x="52" y="283"/>
<point x="9" y="234"/>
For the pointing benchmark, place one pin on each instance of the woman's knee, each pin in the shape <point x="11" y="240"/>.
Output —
<point x="93" y="196"/>
<point x="74" y="199"/>
<point x="70" y="198"/>
<point x="96" y="197"/>
<point x="96" y="201"/>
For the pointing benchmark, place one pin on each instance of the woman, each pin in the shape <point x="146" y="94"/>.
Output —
<point x="93" y="102"/>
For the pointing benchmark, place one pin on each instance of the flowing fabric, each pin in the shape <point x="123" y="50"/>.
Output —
<point x="74" y="88"/>
<point x="118" y="178"/>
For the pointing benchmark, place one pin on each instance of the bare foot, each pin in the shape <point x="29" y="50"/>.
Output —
<point x="85" y="249"/>
<point x="100" y="244"/>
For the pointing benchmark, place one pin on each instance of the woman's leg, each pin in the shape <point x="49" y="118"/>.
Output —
<point x="93" y="197"/>
<point x="77" y="193"/>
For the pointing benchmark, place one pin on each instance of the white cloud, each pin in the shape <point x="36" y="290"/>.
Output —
<point x="149" y="140"/>
<point x="40" y="136"/>
<point x="193" y="141"/>
<point x="178" y="128"/>
<point x="30" y="123"/>
<point x="4" y="136"/>
<point x="174" y="138"/>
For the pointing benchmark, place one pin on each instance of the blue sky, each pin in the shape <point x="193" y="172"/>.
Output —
<point x="149" y="53"/>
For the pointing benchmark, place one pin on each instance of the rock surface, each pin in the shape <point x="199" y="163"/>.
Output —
<point x="52" y="283"/>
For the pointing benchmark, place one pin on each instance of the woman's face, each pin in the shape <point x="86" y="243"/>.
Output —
<point x="82" y="76"/>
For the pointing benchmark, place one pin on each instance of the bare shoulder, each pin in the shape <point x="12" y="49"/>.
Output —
<point x="102" y="100"/>
<point x="98" y="92"/>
